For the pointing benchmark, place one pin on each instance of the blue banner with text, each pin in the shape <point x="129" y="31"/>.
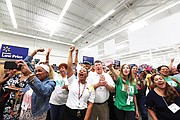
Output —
<point x="87" y="59"/>
<point x="13" y="52"/>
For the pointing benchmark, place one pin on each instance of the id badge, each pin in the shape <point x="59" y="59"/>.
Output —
<point x="174" y="108"/>
<point x="129" y="100"/>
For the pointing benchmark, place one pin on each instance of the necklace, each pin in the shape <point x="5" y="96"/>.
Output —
<point x="80" y="95"/>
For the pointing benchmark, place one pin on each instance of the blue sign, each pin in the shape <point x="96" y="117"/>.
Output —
<point x="88" y="59"/>
<point x="117" y="64"/>
<point x="13" y="52"/>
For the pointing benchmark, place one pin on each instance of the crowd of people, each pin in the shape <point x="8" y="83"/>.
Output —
<point x="88" y="92"/>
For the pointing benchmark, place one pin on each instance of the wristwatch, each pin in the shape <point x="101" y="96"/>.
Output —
<point x="31" y="77"/>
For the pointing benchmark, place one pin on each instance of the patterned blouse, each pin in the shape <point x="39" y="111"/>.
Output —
<point x="13" y="104"/>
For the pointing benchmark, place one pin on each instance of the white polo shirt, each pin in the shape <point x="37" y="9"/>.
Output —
<point x="86" y="90"/>
<point x="102" y="94"/>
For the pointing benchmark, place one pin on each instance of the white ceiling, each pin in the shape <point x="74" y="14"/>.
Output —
<point x="34" y="17"/>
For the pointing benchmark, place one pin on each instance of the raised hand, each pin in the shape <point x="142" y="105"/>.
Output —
<point x="77" y="50"/>
<point x="71" y="49"/>
<point x="40" y="50"/>
<point x="172" y="59"/>
<point x="110" y="66"/>
<point x="24" y="67"/>
<point x="48" y="51"/>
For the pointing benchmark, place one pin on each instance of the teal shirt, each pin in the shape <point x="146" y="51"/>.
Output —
<point x="122" y="95"/>
<point x="171" y="82"/>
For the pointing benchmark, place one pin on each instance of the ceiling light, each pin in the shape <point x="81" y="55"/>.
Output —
<point x="74" y="40"/>
<point x="11" y="13"/>
<point x="35" y="37"/>
<point x="137" y="25"/>
<point x="121" y="46"/>
<point x="68" y="3"/>
<point x="125" y="28"/>
<point x="104" y="17"/>
<point x="162" y="10"/>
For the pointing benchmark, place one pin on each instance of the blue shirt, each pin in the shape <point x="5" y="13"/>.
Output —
<point x="41" y="94"/>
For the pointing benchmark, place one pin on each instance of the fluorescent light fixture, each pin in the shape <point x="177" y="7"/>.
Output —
<point x="121" y="46"/>
<point x="68" y="3"/>
<point x="11" y="13"/>
<point x="137" y="25"/>
<point x="35" y="37"/>
<point x="162" y="10"/>
<point x="75" y="39"/>
<point x="125" y="28"/>
<point x="104" y="17"/>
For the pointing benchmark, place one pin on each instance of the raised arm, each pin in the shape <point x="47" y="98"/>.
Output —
<point x="171" y="64"/>
<point x="47" y="56"/>
<point x="70" y="69"/>
<point x="76" y="57"/>
<point x="37" y="50"/>
<point x="29" y="58"/>
<point x="111" y="68"/>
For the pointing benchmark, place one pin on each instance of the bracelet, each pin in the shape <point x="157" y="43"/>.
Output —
<point x="30" y="77"/>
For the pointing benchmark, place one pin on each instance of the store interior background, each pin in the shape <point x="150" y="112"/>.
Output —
<point x="155" y="42"/>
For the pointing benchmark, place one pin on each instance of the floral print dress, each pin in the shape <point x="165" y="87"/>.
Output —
<point x="13" y="103"/>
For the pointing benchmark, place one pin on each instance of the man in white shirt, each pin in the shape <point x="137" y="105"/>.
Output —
<point x="103" y="83"/>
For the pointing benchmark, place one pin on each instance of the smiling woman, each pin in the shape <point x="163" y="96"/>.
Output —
<point x="37" y="92"/>
<point x="163" y="102"/>
<point x="81" y="94"/>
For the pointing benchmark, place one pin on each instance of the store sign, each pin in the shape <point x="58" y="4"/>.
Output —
<point x="117" y="64"/>
<point x="13" y="52"/>
<point x="88" y="59"/>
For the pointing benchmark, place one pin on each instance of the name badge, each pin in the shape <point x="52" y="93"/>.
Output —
<point x="174" y="108"/>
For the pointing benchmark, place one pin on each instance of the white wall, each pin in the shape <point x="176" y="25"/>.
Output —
<point x="164" y="32"/>
<point x="59" y="52"/>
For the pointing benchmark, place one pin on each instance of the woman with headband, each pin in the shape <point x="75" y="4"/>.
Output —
<point x="37" y="92"/>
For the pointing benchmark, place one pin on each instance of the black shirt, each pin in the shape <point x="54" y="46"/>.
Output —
<point x="156" y="102"/>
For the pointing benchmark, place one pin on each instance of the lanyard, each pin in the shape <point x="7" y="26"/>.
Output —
<point x="80" y="95"/>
